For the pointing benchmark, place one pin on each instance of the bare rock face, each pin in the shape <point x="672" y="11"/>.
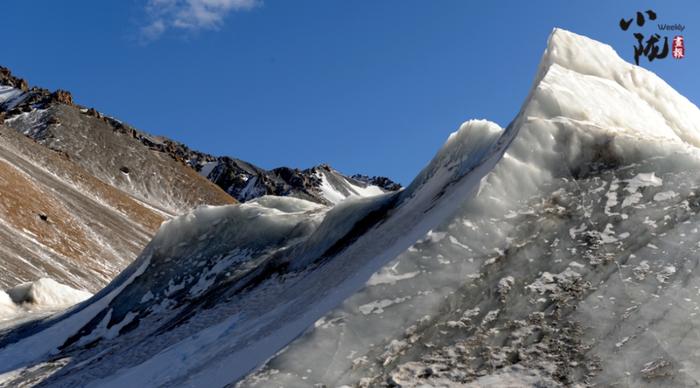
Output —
<point x="6" y="78"/>
<point x="103" y="145"/>
<point x="62" y="96"/>
<point x="381" y="181"/>
<point x="94" y="113"/>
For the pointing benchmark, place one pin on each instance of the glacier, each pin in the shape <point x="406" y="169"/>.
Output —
<point x="559" y="250"/>
<point x="32" y="300"/>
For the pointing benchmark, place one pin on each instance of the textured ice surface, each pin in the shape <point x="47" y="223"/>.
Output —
<point x="558" y="251"/>
<point x="230" y="286"/>
<point x="575" y="262"/>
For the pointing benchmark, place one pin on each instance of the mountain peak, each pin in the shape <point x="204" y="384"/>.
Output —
<point x="582" y="79"/>
<point x="577" y="52"/>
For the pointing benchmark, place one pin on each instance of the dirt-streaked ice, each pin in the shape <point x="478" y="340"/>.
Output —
<point x="560" y="250"/>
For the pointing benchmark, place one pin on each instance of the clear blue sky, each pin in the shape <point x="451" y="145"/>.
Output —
<point x="371" y="86"/>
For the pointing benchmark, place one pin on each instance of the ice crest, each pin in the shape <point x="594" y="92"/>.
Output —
<point x="597" y="68"/>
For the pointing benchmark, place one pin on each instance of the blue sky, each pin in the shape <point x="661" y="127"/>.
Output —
<point x="371" y="86"/>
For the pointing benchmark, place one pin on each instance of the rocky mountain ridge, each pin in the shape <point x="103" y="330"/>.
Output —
<point x="77" y="167"/>
<point x="240" y="179"/>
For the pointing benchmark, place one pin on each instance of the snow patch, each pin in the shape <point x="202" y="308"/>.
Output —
<point x="390" y="276"/>
<point x="665" y="195"/>
<point x="37" y="298"/>
<point x="46" y="292"/>
<point x="643" y="180"/>
<point x="378" y="306"/>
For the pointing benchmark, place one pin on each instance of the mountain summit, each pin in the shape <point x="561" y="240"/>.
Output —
<point x="558" y="251"/>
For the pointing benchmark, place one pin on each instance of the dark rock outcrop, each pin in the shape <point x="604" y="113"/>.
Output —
<point x="381" y="181"/>
<point x="6" y="78"/>
<point x="62" y="96"/>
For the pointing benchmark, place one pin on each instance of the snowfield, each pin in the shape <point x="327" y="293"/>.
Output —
<point x="558" y="251"/>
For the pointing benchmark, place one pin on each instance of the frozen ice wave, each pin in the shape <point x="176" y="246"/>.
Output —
<point x="295" y="259"/>
<point x="542" y="218"/>
<point x="514" y="255"/>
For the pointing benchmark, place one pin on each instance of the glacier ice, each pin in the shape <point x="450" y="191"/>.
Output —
<point x="35" y="299"/>
<point x="46" y="292"/>
<point x="560" y="250"/>
<point x="197" y="280"/>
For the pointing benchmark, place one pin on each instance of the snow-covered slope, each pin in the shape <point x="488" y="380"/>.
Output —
<point x="10" y="97"/>
<point x="560" y="250"/>
<point x="322" y="184"/>
<point x="58" y="221"/>
<point x="336" y="188"/>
